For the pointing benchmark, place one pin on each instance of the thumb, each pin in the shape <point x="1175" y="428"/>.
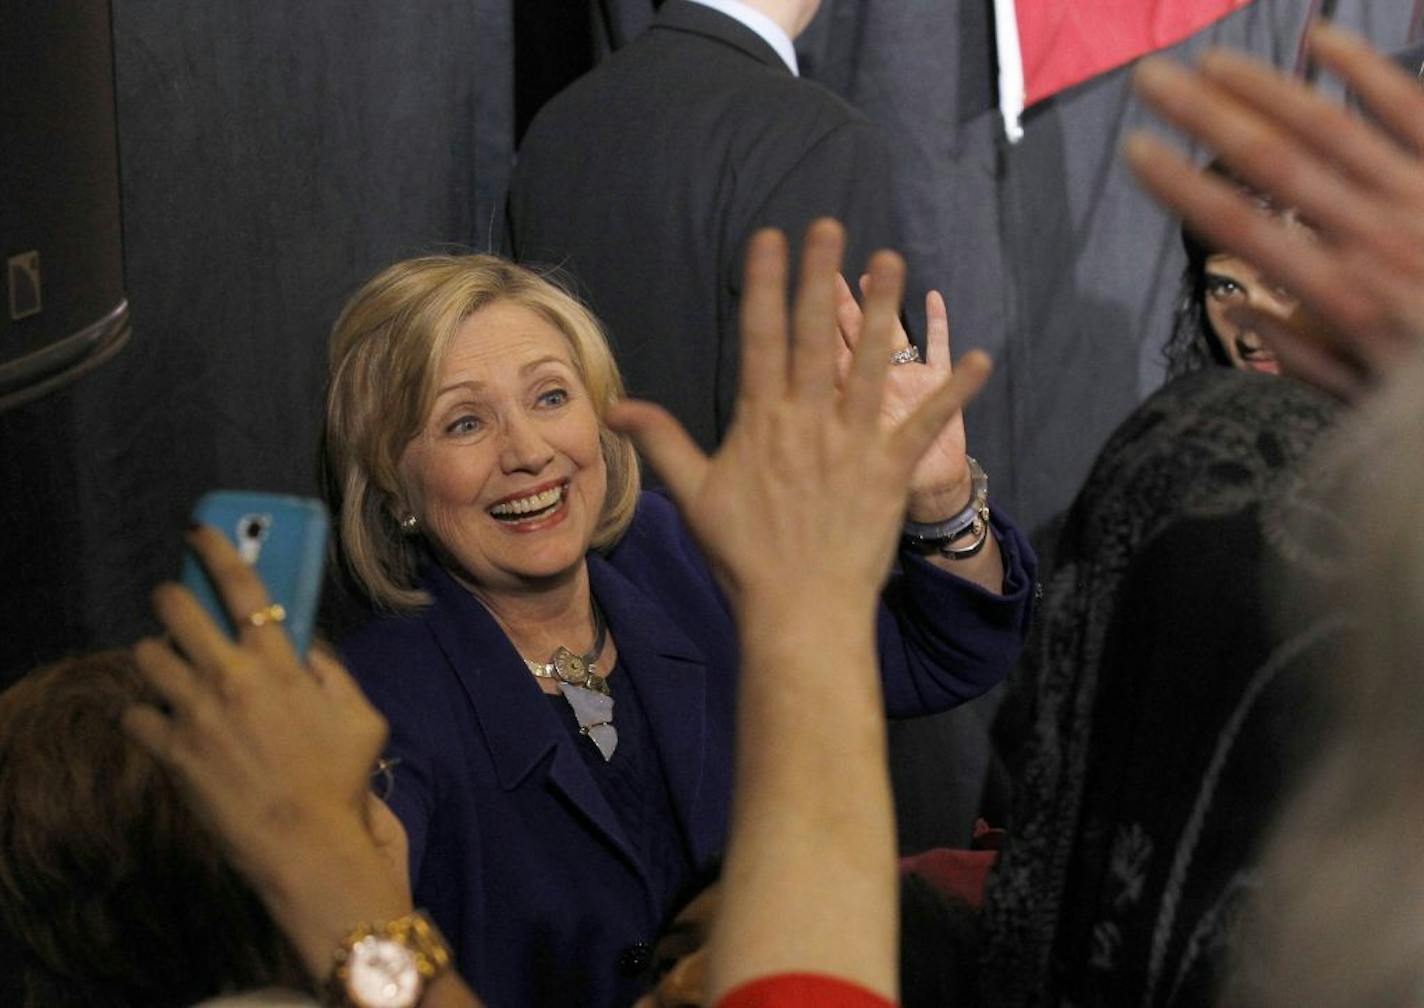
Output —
<point x="668" y="448"/>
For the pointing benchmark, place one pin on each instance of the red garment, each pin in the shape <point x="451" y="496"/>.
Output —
<point x="962" y="874"/>
<point x="1065" y="42"/>
<point x="793" y="990"/>
<point x="1045" y="46"/>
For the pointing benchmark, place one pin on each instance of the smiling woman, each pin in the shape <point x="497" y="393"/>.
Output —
<point x="506" y="476"/>
<point x="558" y="667"/>
<point x="396" y="353"/>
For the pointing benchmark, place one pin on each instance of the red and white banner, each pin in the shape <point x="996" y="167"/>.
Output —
<point x="1048" y="45"/>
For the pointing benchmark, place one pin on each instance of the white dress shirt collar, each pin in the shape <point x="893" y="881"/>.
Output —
<point x="764" y="26"/>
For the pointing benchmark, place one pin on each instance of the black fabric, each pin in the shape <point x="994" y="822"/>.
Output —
<point x="645" y="179"/>
<point x="1163" y="704"/>
<point x="1204" y="714"/>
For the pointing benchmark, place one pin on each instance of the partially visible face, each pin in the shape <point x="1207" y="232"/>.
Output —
<point x="506" y="476"/>
<point x="680" y="955"/>
<point x="1230" y="281"/>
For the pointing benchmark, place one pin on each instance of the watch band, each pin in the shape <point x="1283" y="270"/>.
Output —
<point x="415" y="933"/>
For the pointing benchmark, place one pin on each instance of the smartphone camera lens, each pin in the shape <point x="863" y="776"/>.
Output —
<point x="251" y="531"/>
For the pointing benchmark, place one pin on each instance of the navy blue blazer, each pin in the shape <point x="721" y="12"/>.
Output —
<point x="514" y="850"/>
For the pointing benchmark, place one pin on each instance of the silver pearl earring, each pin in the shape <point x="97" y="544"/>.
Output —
<point x="410" y="524"/>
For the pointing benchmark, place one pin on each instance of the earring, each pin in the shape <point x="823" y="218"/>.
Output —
<point x="409" y="524"/>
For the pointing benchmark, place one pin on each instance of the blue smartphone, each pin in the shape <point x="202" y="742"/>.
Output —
<point x="283" y="538"/>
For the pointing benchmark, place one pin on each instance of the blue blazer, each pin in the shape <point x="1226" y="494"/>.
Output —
<point x="514" y="850"/>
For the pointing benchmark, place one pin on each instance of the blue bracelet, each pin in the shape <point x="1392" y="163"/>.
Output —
<point x="930" y="537"/>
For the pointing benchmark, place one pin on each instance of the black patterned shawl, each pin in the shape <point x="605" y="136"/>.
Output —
<point x="1159" y="726"/>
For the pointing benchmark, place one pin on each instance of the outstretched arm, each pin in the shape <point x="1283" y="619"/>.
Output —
<point x="800" y="512"/>
<point x="1360" y="186"/>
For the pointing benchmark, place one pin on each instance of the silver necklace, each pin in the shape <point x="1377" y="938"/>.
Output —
<point x="584" y="688"/>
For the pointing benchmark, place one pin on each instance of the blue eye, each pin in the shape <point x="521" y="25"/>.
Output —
<point x="464" y="425"/>
<point x="554" y="397"/>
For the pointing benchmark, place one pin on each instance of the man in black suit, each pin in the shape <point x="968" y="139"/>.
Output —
<point x="646" y="177"/>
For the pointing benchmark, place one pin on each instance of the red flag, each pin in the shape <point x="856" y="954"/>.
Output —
<point x="1048" y="45"/>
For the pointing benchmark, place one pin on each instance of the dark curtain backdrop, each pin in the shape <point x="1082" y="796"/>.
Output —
<point x="274" y="154"/>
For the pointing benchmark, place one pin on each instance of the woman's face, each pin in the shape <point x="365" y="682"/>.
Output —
<point x="507" y="477"/>
<point x="1231" y="281"/>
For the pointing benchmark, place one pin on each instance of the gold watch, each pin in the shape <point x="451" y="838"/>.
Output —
<point x="389" y="964"/>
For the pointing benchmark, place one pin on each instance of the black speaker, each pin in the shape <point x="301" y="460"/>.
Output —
<point x="62" y="305"/>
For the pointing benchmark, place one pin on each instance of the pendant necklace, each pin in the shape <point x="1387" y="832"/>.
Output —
<point x="582" y="686"/>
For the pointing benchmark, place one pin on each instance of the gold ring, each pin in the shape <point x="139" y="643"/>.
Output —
<point x="273" y="613"/>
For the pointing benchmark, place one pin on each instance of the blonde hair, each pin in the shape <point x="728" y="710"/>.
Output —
<point x="1337" y="920"/>
<point x="384" y="356"/>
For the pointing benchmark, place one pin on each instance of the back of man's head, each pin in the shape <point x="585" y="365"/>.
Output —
<point x="110" y="891"/>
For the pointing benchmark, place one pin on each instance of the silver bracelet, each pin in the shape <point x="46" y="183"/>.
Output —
<point x="937" y="537"/>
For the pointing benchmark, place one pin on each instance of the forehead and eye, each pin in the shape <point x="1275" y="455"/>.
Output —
<point x="1225" y="275"/>
<point x="502" y="350"/>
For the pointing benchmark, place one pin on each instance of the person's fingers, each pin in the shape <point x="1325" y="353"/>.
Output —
<point x="1256" y="149"/>
<point x="763" y="320"/>
<point x="245" y="598"/>
<point x="1371" y="208"/>
<point x="154" y="732"/>
<point x="192" y="630"/>
<point x="668" y="448"/>
<point x="1392" y="96"/>
<point x="920" y="429"/>
<point x="848" y="315"/>
<point x="881" y="335"/>
<point x="937" y="348"/>
<point x="848" y="323"/>
<point x="172" y="677"/>
<point x="1304" y="355"/>
<point x="322" y="659"/>
<point x="346" y="700"/>
<point x="1215" y="209"/>
<point x="331" y="675"/>
<point x="813" y="336"/>
<point x="901" y="337"/>
<point x="1322" y="126"/>
<point x="390" y="839"/>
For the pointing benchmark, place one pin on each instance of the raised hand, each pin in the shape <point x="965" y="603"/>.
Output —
<point x="810" y="485"/>
<point x="1361" y="278"/>
<point x="940" y="484"/>
<point x="276" y="756"/>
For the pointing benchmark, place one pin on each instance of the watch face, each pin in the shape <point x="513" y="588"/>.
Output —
<point x="382" y="973"/>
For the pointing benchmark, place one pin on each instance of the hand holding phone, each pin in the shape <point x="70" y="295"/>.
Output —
<point x="283" y="538"/>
